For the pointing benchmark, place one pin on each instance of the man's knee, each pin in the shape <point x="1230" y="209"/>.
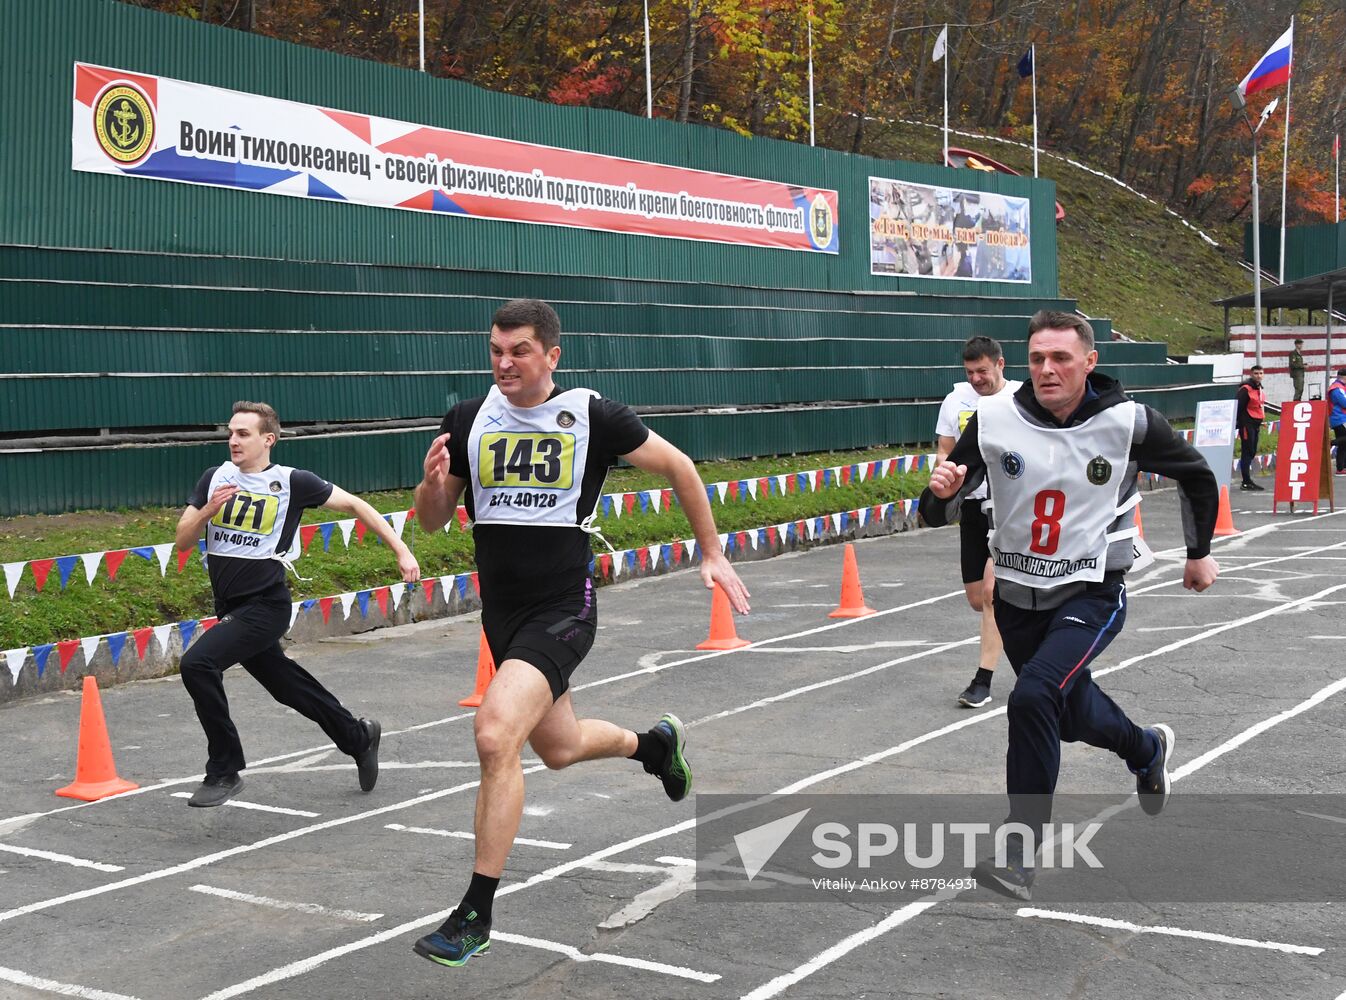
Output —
<point x="195" y="665"/>
<point x="1033" y="698"/>
<point x="496" y="743"/>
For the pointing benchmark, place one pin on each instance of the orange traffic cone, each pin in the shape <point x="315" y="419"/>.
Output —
<point x="722" y="633"/>
<point x="95" y="773"/>
<point x="852" y="598"/>
<point x="485" y="671"/>
<point x="1224" y="520"/>
<point x="1140" y="526"/>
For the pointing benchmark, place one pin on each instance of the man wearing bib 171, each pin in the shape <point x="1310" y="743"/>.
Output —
<point x="1060" y="457"/>
<point x="250" y="510"/>
<point x="533" y="457"/>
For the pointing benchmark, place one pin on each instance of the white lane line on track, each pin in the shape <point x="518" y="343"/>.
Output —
<point x="466" y="835"/>
<point x="1125" y="925"/>
<point x="282" y="904"/>
<point x="574" y="954"/>
<point x="308" y="964"/>
<point x="65" y="859"/>
<point x="63" y="989"/>
<point x="256" y="807"/>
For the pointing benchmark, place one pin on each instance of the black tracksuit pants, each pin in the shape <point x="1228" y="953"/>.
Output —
<point x="250" y="634"/>
<point x="1055" y="697"/>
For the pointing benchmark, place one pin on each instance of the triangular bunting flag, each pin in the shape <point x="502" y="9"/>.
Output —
<point x="360" y="531"/>
<point x="208" y="623"/>
<point x="161" y="632"/>
<point x="642" y="557"/>
<point x="735" y="490"/>
<point x="675" y="550"/>
<point x="143" y="637"/>
<point x="810" y="526"/>
<point x="163" y="553"/>
<point x="116" y="642"/>
<point x="306" y="535"/>
<point x="476" y="583"/>
<point x="113" y="561"/>
<point x="325" y="606"/>
<point x="752" y="487"/>
<point x="65" y="565"/>
<point x="631" y="559"/>
<point x="656" y="499"/>
<point x="347" y="599"/>
<point x="183" y="556"/>
<point x="628" y="502"/>
<point x="772" y="535"/>
<point x="91" y="561"/>
<point x="460" y="584"/>
<point x="742" y="539"/>
<point x="89" y="644"/>
<point x="617" y="563"/>
<point x="724" y="542"/>
<point x="428" y="585"/>
<point x="66" y="651"/>
<point x="399" y="521"/>
<point x="294" y="614"/>
<point x="836" y="522"/>
<point x="381" y="599"/>
<point x="720" y="490"/>
<point x="14" y="658"/>
<point x="780" y="485"/>
<point x="40" y="654"/>
<point x="667" y="498"/>
<point x="461" y="515"/>
<point x="362" y="600"/>
<point x="666" y="552"/>
<point x="689" y="546"/>
<point x="346" y="527"/>
<point x="13" y="571"/>
<point x="447" y="582"/>
<point x="397" y="590"/>
<point x="654" y="551"/>
<point x="604" y="565"/>
<point x="327" y="529"/>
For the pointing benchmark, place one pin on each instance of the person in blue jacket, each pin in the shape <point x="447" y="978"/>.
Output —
<point x="1336" y="395"/>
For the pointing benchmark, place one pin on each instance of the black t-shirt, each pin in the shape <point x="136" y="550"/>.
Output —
<point x="234" y="580"/>
<point x="532" y="564"/>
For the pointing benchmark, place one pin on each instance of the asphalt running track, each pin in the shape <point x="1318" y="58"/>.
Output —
<point x="305" y="888"/>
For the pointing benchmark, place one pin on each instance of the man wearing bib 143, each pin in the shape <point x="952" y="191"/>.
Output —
<point x="1060" y="458"/>
<point x="250" y="510"/>
<point x="532" y="457"/>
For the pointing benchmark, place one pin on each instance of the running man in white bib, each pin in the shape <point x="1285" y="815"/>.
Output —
<point x="249" y="510"/>
<point x="984" y="362"/>
<point x="532" y="458"/>
<point x="1060" y="457"/>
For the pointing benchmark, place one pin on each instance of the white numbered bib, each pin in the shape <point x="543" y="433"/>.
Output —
<point x="249" y="526"/>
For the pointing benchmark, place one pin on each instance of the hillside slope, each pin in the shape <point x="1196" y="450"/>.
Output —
<point x="1121" y="256"/>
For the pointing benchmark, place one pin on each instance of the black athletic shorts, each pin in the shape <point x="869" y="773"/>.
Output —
<point x="973" y="545"/>
<point x="553" y="637"/>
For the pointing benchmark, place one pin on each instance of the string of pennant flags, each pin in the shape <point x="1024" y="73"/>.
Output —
<point x="610" y="505"/>
<point x="607" y="567"/>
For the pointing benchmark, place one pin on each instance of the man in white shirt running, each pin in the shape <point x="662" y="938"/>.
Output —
<point x="984" y="362"/>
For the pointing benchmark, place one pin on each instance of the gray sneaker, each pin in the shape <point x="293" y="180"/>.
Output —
<point x="976" y="695"/>
<point x="216" y="791"/>
<point x="1152" y="783"/>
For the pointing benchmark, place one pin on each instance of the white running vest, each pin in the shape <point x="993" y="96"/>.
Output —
<point x="528" y="462"/>
<point x="249" y="526"/>
<point x="1054" y="491"/>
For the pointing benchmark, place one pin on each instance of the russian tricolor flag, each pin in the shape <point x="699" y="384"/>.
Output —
<point x="1272" y="69"/>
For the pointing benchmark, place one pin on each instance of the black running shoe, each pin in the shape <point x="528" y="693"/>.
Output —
<point x="1152" y="784"/>
<point x="216" y="791"/>
<point x="367" y="761"/>
<point x="1012" y="880"/>
<point x="673" y="770"/>
<point x="977" y="694"/>
<point x="458" y="939"/>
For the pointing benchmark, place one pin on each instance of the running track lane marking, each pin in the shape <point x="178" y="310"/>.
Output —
<point x="464" y="835"/>
<point x="1126" y="925"/>
<point x="257" y="806"/>
<point x="576" y="955"/>
<point x="65" y="859"/>
<point x="51" y="986"/>
<point x="308" y="964"/>
<point x="281" y="904"/>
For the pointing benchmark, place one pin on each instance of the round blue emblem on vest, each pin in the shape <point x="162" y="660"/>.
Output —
<point x="1012" y="463"/>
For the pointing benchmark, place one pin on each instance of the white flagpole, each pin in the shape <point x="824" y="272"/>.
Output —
<point x="1285" y="160"/>
<point x="1033" y="50"/>
<point x="946" y="95"/>
<point x="1336" y="152"/>
<point x="649" y="93"/>
<point x="421" y="23"/>
<point x="810" y="16"/>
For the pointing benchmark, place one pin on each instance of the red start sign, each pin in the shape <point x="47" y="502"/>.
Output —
<point x="1302" y="473"/>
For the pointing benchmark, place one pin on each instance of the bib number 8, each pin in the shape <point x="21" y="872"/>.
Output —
<point x="1049" y="506"/>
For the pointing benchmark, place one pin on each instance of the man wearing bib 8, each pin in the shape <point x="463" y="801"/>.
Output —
<point x="1060" y="458"/>
<point x="984" y="363"/>
<point x="250" y="511"/>
<point x="532" y="458"/>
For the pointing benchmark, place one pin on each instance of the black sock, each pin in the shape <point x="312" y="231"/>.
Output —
<point x="650" y="749"/>
<point x="480" y="895"/>
<point x="983" y="676"/>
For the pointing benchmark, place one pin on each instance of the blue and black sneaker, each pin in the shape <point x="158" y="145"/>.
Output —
<point x="458" y="939"/>
<point x="1012" y="879"/>
<point x="673" y="770"/>
<point x="1153" y="783"/>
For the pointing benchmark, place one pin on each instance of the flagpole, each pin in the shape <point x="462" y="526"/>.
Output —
<point x="1285" y="159"/>
<point x="649" y="93"/>
<point x="946" y="95"/>
<point x="1033" y="55"/>
<point x="810" y="16"/>
<point x="421" y="23"/>
<point x="1336" y="154"/>
<point x="1257" y="259"/>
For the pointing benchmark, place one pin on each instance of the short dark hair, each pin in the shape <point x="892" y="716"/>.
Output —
<point x="541" y="317"/>
<point x="1299" y="340"/>
<point x="1341" y="373"/>
<point x="1050" y="319"/>
<point x="267" y="423"/>
<point x="1255" y="368"/>
<point x="979" y="347"/>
